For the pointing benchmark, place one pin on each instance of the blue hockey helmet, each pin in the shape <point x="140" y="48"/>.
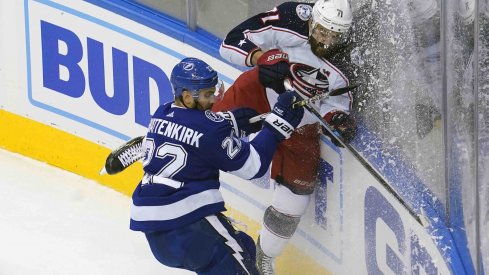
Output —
<point x="192" y="74"/>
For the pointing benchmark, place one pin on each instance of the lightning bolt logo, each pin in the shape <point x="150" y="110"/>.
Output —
<point x="230" y="241"/>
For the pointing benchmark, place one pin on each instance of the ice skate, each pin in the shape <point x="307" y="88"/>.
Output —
<point x="264" y="263"/>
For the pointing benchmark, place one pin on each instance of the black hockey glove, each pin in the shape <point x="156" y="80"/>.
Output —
<point x="283" y="119"/>
<point x="273" y="68"/>
<point x="345" y="124"/>
<point x="240" y="120"/>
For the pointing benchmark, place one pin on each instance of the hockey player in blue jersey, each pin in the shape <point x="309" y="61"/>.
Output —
<point x="178" y="204"/>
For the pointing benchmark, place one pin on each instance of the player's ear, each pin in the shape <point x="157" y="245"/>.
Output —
<point x="188" y="98"/>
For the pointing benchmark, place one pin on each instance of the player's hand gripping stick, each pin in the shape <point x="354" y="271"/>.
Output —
<point x="304" y="102"/>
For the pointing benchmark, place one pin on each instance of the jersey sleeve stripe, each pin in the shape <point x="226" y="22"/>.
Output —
<point x="230" y="47"/>
<point x="274" y="28"/>
<point x="234" y="55"/>
<point x="251" y="167"/>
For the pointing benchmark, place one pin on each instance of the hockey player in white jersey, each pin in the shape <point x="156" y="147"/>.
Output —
<point x="178" y="204"/>
<point x="297" y="33"/>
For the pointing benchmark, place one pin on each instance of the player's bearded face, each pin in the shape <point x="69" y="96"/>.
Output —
<point x="205" y="100"/>
<point x="207" y="97"/>
<point x="322" y="40"/>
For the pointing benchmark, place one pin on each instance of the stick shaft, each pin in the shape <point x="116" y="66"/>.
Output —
<point x="363" y="161"/>
<point x="304" y="102"/>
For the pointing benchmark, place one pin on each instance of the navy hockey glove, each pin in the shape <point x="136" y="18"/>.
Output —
<point x="240" y="120"/>
<point x="273" y="68"/>
<point x="345" y="124"/>
<point x="283" y="119"/>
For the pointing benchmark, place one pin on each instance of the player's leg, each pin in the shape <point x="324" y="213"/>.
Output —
<point x="295" y="170"/>
<point x="166" y="246"/>
<point x="208" y="246"/>
<point x="234" y="250"/>
<point x="296" y="162"/>
<point x="280" y="222"/>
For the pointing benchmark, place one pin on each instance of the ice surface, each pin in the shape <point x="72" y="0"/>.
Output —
<point x="55" y="222"/>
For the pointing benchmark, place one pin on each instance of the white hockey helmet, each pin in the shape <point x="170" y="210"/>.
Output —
<point x="335" y="15"/>
<point x="422" y="10"/>
<point x="466" y="10"/>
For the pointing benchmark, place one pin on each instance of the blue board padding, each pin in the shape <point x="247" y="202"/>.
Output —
<point x="456" y="221"/>
<point x="401" y="176"/>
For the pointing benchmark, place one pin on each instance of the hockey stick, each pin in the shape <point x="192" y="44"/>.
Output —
<point x="334" y="92"/>
<point x="130" y="152"/>
<point x="420" y="218"/>
<point x="304" y="102"/>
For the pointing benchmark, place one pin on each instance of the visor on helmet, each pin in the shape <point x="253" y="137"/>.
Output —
<point x="208" y="93"/>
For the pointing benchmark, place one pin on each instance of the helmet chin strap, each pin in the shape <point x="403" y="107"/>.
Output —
<point x="312" y="24"/>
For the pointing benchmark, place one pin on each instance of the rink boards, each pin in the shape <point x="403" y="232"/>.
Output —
<point x="78" y="79"/>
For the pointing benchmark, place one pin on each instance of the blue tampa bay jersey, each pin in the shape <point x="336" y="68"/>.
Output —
<point x="184" y="151"/>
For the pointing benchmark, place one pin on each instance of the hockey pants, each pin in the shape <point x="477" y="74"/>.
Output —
<point x="210" y="246"/>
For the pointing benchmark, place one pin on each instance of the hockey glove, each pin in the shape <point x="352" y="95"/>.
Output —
<point x="343" y="123"/>
<point x="283" y="119"/>
<point x="239" y="119"/>
<point x="273" y="68"/>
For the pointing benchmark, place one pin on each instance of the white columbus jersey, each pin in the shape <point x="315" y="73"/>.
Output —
<point x="285" y="28"/>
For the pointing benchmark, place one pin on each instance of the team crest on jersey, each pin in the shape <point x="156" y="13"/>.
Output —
<point x="308" y="80"/>
<point x="304" y="12"/>
<point x="213" y="116"/>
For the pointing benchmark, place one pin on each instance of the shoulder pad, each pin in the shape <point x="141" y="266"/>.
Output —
<point x="303" y="11"/>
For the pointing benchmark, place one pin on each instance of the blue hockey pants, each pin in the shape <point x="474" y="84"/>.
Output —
<point x="208" y="246"/>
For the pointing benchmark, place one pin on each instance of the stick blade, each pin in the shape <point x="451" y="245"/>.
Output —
<point x="343" y="90"/>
